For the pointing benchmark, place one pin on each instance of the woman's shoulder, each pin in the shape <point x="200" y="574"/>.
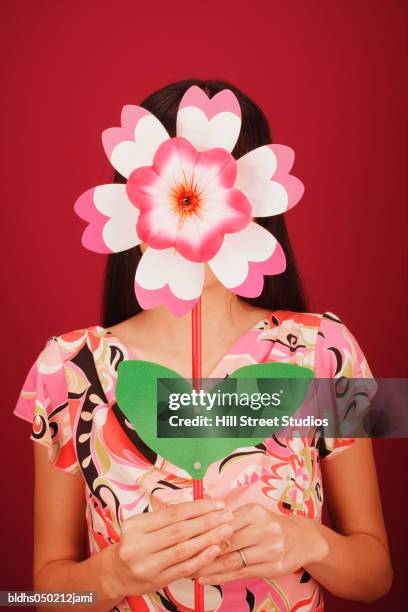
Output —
<point x="302" y="319"/>
<point x="81" y="332"/>
<point x="323" y="336"/>
<point x="337" y="351"/>
<point x="69" y="343"/>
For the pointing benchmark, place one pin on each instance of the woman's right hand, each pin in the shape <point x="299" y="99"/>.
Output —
<point x="159" y="547"/>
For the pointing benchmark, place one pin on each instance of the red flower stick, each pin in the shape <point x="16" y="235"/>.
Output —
<point x="197" y="376"/>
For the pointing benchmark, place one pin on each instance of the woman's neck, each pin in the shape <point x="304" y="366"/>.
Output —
<point x="157" y="335"/>
<point x="224" y="315"/>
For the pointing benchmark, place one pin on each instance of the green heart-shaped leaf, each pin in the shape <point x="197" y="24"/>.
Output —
<point x="137" y="396"/>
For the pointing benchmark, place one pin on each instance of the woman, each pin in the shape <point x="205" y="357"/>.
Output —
<point x="256" y="540"/>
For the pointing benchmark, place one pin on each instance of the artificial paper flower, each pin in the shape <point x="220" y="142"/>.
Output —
<point x="190" y="201"/>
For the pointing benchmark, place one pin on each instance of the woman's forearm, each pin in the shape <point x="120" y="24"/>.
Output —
<point x="357" y="566"/>
<point x="92" y="574"/>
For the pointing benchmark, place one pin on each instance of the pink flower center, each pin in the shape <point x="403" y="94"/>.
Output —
<point x="186" y="198"/>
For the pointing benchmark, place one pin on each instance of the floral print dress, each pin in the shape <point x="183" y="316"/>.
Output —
<point x="69" y="398"/>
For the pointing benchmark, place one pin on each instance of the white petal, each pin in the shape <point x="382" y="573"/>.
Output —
<point x="129" y="155"/>
<point x="159" y="267"/>
<point x="258" y="162"/>
<point x="222" y="130"/>
<point x="266" y="197"/>
<point x="254" y="171"/>
<point x="187" y="278"/>
<point x="119" y="233"/>
<point x="230" y="264"/>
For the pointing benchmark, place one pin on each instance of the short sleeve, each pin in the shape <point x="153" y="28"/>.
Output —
<point x="43" y="402"/>
<point x="339" y="355"/>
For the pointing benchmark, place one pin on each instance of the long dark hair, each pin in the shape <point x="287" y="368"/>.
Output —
<point x="282" y="291"/>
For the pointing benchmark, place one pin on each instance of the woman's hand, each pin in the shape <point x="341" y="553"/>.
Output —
<point x="161" y="546"/>
<point x="273" y="545"/>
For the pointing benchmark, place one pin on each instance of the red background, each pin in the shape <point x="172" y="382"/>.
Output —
<point x="331" y="78"/>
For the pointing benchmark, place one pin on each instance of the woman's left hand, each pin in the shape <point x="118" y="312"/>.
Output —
<point x="272" y="544"/>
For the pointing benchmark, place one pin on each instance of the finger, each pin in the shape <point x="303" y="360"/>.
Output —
<point x="260" y="570"/>
<point x="188" y="568"/>
<point x="192" y="547"/>
<point x="249" y="535"/>
<point x="241" y="518"/>
<point x="224" y="548"/>
<point x="173" y="513"/>
<point x="244" y="538"/>
<point x="187" y="529"/>
<point x="250" y="514"/>
<point x="230" y="562"/>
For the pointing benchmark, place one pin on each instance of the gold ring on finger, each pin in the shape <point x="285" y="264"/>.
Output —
<point x="244" y="561"/>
